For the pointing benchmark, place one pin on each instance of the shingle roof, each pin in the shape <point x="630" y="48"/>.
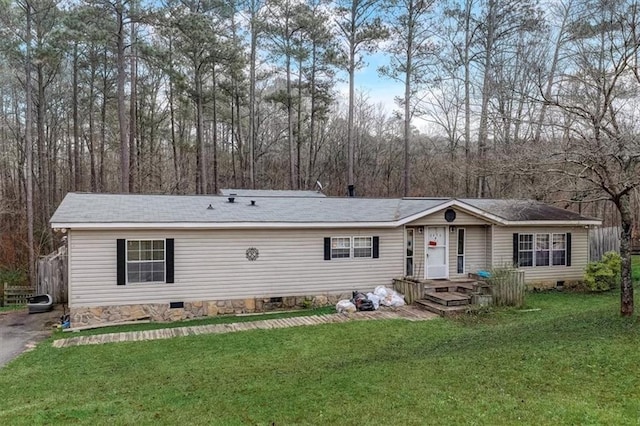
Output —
<point x="269" y="193"/>
<point x="89" y="208"/>
<point x="134" y="208"/>
<point x="523" y="210"/>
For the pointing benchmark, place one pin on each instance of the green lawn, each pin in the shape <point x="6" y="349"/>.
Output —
<point x="573" y="361"/>
<point x="12" y="308"/>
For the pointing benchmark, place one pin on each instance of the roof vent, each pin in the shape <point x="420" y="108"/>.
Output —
<point x="210" y="207"/>
<point x="253" y="203"/>
<point x="232" y="199"/>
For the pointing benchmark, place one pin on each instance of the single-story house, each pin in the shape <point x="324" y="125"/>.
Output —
<point x="171" y="257"/>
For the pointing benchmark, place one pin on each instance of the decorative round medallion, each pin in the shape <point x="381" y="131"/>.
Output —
<point x="450" y="215"/>
<point x="252" y="254"/>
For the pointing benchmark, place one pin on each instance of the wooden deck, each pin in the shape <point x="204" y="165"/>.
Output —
<point x="409" y="313"/>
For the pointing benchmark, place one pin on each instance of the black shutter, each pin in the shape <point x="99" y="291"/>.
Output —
<point x="168" y="248"/>
<point x="516" y="245"/>
<point x="568" y="248"/>
<point x="327" y="248"/>
<point x="121" y="262"/>
<point x="376" y="247"/>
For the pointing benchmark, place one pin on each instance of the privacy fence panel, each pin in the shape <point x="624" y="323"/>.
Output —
<point x="508" y="287"/>
<point x="602" y="240"/>
<point x="52" y="275"/>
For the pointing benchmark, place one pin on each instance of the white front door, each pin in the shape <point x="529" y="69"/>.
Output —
<point x="436" y="252"/>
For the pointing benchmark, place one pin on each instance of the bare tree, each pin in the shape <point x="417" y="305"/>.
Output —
<point x="412" y="52"/>
<point x="360" y="28"/>
<point x="600" y="98"/>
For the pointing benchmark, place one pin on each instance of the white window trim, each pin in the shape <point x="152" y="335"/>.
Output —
<point x="464" y="250"/>
<point x="551" y="250"/>
<point x="532" y="251"/>
<point x="535" y="236"/>
<point x="126" y="260"/>
<point x="352" y="248"/>
<point x="535" y="251"/>
<point x="413" y="250"/>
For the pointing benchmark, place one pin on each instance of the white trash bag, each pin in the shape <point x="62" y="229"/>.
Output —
<point x="374" y="299"/>
<point x="345" y="306"/>
<point x="388" y="296"/>
<point x="397" y="299"/>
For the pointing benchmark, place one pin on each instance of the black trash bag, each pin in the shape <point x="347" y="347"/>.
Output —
<point x="365" y="305"/>
<point x="361" y="302"/>
<point x="357" y="295"/>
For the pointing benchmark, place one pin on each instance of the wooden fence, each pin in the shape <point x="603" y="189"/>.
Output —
<point x="52" y="275"/>
<point x="15" y="295"/>
<point x="507" y="287"/>
<point x="411" y="290"/>
<point x="602" y="240"/>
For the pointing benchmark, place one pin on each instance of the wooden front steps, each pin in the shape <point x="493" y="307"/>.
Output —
<point x="442" y="310"/>
<point x="446" y="298"/>
<point x="452" y="298"/>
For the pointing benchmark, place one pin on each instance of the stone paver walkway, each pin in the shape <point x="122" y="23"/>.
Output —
<point x="406" y="312"/>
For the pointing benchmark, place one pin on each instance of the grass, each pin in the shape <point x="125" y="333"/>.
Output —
<point x="573" y="361"/>
<point x="11" y="308"/>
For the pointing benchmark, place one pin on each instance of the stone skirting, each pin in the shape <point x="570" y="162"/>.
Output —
<point x="162" y="312"/>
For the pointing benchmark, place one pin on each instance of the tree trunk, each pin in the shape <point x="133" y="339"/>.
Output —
<point x="252" y="94"/>
<point x="215" y="130"/>
<point x="292" y="158"/>
<point x="484" y="110"/>
<point x="43" y="174"/>
<point x="172" y="115"/>
<point x="407" y="102"/>
<point x="626" y="282"/>
<point x="29" y="148"/>
<point x="299" y="128"/>
<point x="467" y="98"/>
<point x="200" y="163"/>
<point x="122" y="114"/>
<point x="133" y="127"/>
<point x="76" y="125"/>
<point x="352" y="72"/>
<point x="312" y="120"/>
<point x="103" y="123"/>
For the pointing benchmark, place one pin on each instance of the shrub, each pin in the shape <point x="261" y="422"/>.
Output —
<point x="13" y="277"/>
<point x="605" y="274"/>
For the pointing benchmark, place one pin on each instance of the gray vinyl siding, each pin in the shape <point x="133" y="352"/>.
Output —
<point x="477" y="239"/>
<point x="503" y="253"/>
<point x="212" y="265"/>
<point x="437" y="218"/>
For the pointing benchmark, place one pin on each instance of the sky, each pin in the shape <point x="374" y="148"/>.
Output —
<point x="377" y="89"/>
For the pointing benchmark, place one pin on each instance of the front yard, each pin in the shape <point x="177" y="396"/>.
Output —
<point x="573" y="361"/>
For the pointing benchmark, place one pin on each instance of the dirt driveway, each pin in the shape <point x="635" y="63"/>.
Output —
<point x="20" y="331"/>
